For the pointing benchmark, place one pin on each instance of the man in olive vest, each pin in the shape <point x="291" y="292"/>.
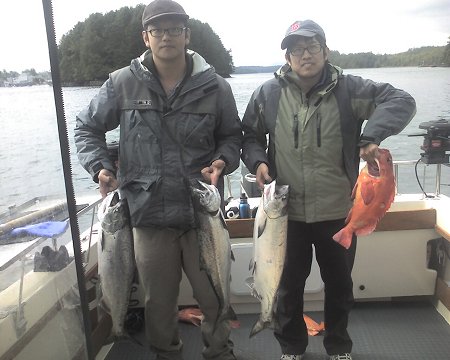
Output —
<point x="313" y="115"/>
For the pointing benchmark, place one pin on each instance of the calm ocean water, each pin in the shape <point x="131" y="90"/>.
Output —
<point x="30" y="160"/>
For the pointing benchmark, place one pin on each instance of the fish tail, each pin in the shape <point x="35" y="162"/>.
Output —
<point x="259" y="326"/>
<point x="344" y="237"/>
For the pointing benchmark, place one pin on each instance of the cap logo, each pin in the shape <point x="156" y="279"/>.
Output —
<point x="295" y="26"/>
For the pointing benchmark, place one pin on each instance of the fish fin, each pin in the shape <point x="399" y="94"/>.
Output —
<point x="102" y="241"/>
<point x="251" y="265"/>
<point x="344" y="237"/>
<point x="349" y="216"/>
<point x="261" y="227"/>
<point x="355" y="189"/>
<point x="366" y="230"/>
<point x="191" y="315"/>
<point x="232" y="256"/>
<point x="313" y="327"/>
<point x="231" y="314"/>
<point x="235" y="324"/>
<point x="367" y="192"/>
<point x="222" y="219"/>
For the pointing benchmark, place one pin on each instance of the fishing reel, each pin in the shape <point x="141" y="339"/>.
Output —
<point x="436" y="142"/>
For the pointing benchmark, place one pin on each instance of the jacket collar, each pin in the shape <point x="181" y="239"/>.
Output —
<point x="326" y="83"/>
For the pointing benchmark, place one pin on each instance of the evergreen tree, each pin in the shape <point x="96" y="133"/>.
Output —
<point x="103" y="43"/>
<point x="208" y="44"/>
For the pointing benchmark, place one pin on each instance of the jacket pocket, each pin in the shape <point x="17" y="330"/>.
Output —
<point x="142" y="145"/>
<point x="143" y="197"/>
<point x="199" y="131"/>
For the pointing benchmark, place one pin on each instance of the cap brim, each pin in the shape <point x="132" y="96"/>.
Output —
<point x="299" y="32"/>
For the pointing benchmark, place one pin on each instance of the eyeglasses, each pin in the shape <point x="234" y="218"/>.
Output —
<point x="312" y="49"/>
<point x="175" y="31"/>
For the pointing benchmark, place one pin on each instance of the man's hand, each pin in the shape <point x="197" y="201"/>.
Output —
<point x="212" y="173"/>
<point x="369" y="153"/>
<point x="107" y="181"/>
<point x="262" y="175"/>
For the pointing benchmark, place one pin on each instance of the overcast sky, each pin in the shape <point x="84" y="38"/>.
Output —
<point x="251" y="29"/>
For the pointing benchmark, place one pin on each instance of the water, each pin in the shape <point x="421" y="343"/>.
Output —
<point x="30" y="158"/>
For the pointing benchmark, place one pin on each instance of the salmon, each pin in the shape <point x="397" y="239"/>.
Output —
<point x="214" y="243"/>
<point x="269" y="252"/>
<point x="116" y="264"/>
<point x="372" y="196"/>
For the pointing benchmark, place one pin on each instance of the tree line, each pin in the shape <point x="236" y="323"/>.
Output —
<point x="104" y="43"/>
<point x="424" y="56"/>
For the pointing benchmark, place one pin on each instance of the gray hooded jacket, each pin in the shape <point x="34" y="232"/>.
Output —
<point x="164" y="142"/>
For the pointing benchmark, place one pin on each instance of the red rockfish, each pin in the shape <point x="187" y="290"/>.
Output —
<point x="372" y="196"/>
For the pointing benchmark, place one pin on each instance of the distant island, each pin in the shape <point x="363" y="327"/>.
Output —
<point x="423" y="57"/>
<point x="428" y="56"/>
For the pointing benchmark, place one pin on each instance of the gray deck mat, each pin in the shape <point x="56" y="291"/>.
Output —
<point x="380" y="331"/>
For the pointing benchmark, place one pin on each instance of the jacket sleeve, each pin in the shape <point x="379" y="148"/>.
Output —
<point x="92" y="123"/>
<point x="388" y="110"/>
<point x="254" y="145"/>
<point x="228" y="133"/>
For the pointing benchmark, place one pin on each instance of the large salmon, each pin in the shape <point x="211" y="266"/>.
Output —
<point x="269" y="251"/>
<point x="214" y="242"/>
<point x="372" y="196"/>
<point x="116" y="263"/>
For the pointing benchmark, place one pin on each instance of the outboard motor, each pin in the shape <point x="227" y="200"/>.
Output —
<point x="436" y="142"/>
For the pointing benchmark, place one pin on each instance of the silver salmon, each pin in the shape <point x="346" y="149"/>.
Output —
<point x="116" y="263"/>
<point x="269" y="251"/>
<point x="214" y="242"/>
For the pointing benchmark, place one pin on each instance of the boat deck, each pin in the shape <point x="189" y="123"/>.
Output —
<point x="399" y="329"/>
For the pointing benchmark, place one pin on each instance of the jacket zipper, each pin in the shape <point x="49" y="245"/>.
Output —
<point x="319" y="139"/>
<point x="295" y="131"/>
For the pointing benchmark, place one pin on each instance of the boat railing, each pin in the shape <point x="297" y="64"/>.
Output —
<point x="425" y="175"/>
<point x="34" y="243"/>
<point x="251" y="179"/>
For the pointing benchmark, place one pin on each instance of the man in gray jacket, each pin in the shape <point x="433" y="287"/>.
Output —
<point x="178" y="121"/>
<point x="313" y="115"/>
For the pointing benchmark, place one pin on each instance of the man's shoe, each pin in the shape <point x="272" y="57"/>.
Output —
<point x="345" y="356"/>
<point x="291" y="357"/>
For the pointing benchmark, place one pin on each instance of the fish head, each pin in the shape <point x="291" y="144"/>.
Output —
<point x="385" y="163"/>
<point x="112" y="213"/>
<point x="275" y="199"/>
<point x="205" y="196"/>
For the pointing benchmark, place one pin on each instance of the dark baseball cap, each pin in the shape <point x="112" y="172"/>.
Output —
<point x="159" y="8"/>
<point x="306" y="28"/>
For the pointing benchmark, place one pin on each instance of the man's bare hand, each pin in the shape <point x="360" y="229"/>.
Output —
<point x="262" y="175"/>
<point x="369" y="153"/>
<point x="212" y="173"/>
<point x="107" y="181"/>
